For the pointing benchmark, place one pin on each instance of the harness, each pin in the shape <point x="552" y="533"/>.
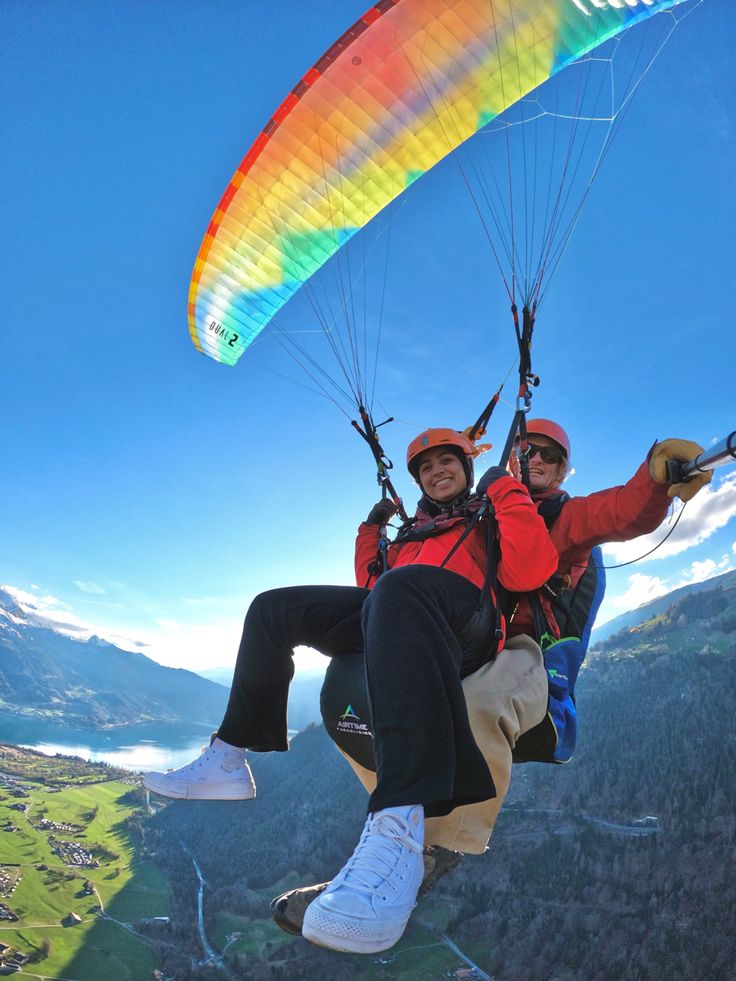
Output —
<point x="490" y="588"/>
<point x="575" y="609"/>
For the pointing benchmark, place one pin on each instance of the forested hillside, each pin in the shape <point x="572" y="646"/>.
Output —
<point x="637" y="616"/>
<point x="621" y="865"/>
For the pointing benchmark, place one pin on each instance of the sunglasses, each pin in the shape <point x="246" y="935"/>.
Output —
<point x="548" y="453"/>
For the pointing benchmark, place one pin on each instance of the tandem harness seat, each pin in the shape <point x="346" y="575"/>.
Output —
<point x="345" y="705"/>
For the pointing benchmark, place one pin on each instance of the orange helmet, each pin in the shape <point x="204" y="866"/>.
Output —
<point x="545" y="427"/>
<point x="432" y="438"/>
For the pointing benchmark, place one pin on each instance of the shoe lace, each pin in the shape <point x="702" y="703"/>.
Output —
<point x="206" y="756"/>
<point x="379" y="852"/>
<point x="230" y="759"/>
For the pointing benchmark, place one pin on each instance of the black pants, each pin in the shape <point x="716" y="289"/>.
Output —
<point x="420" y="632"/>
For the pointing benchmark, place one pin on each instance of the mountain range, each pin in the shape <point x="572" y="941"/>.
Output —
<point x="91" y="684"/>
<point x="656" y="606"/>
<point x="49" y="677"/>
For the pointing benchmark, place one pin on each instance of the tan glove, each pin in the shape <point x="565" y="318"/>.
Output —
<point x="682" y="450"/>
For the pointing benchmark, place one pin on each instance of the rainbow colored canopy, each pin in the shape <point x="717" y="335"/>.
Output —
<point x="408" y="83"/>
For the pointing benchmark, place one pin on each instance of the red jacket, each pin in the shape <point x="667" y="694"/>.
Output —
<point x="527" y="561"/>
<point x="613" y="515"/>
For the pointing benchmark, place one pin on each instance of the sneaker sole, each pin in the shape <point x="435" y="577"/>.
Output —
<point x="197" y="793"/>
<point x="323" y="939"/>
<point x="444" y="861"/>
<point x="290" y="919"/>
<point x="280" y="909"/>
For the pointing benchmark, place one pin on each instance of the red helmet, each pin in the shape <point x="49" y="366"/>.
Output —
<point x="431" y="438"/>
<point x="545" y="427"/>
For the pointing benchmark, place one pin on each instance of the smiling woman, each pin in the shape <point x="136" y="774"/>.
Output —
<point x="441" y="461"/>
<point x="441" y="475"/>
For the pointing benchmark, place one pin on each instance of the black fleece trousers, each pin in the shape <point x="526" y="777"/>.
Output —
<point x="420" y="632"/>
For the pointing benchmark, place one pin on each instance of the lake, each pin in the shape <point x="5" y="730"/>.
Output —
<point x="133" y="748"/>
<point x="146" y="755"/>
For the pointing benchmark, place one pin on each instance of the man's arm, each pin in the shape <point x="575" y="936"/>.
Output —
<point x="612" y="515"/>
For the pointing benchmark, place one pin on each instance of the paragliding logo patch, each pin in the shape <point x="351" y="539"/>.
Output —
<point x="351" y="724"/>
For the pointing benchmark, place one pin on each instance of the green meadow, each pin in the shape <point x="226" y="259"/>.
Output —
<point x="48" y="892"/>
<point x="85" y="922"/>
<point x="419" y="954"/>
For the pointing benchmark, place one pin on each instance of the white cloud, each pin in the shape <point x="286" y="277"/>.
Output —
<point x="47" y="611"/>
<point x="200" y="647"/>
<point x="642" y="589"/>
<point x="700" y="571"/>
<point x="170" y="643"/>
<point x="89" y="587"/>
<point x="168" y="624"/>
<point x="195" y="647"/>
<point x="709" y="511"/>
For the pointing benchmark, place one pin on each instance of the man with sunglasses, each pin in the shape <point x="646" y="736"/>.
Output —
<point x="547" y="456"/>
<point x="617" y="514"/>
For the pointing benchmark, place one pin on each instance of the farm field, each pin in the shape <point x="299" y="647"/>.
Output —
<point x="73" y="881"/>
<point x="419" y="954"/>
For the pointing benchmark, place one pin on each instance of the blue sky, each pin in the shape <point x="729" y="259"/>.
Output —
<point x="149" y="493"/>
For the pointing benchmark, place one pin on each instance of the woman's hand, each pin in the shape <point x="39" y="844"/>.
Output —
<point x="491" y="475"/>
<point x="382" y="512"/>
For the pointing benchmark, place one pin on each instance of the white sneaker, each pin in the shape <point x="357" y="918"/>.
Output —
<point x="220" y="773"/>
<point x="367" y="905"/>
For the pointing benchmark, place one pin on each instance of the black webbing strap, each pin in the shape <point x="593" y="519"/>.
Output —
<point x="369" y="432"/>
<point x="527" y="379"/>
<point x="490" y="581"/>
<point x="472" y="522"/>
<point x="480" y="425"/>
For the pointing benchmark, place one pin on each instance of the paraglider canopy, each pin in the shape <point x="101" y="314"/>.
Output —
<point x="407" y="84"/>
